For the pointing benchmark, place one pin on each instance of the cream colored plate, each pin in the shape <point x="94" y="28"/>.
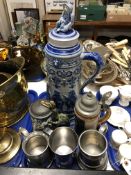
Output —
<point x="118" y="116"/>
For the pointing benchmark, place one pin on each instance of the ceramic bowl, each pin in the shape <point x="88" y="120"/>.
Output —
<point x="108" y="88"/>
<point x="119" y="116"/>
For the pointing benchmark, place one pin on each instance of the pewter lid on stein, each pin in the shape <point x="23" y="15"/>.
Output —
<point x="41" y="109"/>
<point x="87" y="106"/>
<point x="63" y="40"/>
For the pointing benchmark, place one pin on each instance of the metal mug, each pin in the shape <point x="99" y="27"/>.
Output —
<point x="63" y="143"/>
<point x="92" y="150"/>
<point x="36" y="148"/>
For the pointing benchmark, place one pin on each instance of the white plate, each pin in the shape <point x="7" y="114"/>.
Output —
<point x="118" y="116"/>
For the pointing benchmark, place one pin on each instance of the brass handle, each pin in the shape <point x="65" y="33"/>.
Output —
<point x="105" y="117"/>
<point x="48" y="104"/>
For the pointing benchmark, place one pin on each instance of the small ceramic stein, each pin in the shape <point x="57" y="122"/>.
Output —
<point x="88" y="109"/>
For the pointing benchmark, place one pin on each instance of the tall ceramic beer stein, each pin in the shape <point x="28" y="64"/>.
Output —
<point x="64" y="56"/>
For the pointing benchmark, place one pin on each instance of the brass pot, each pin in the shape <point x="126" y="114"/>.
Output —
<point x="13" y="92"/>
<point x="9" y="144"/>
<point x="33" y="61"/>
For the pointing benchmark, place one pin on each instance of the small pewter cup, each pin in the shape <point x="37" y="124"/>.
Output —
<point x="92" y="150"/>
<point x="63" y="143"/>
<point x="36" y="148"/>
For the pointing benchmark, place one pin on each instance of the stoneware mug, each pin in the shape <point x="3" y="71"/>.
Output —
<point x="63" y="55"/>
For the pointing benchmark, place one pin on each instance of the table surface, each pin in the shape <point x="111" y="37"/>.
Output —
<point x="40" y="87"/>
<point x="32" y="171"/>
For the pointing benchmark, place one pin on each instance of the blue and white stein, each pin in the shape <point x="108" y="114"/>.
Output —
<point x="64" y="57"/>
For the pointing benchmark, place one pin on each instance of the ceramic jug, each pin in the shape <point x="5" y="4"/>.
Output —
<point x="64" y="56"/>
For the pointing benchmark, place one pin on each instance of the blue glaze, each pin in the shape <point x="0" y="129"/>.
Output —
<point x="64" y="52"/>
<point x="99" y="63"/>
<point x="65" y="73"/>
<point x="112" y="153"/>
<point x="62" y="161"/>
<point x="44" y="95"/>
<point x="33" y="96"/>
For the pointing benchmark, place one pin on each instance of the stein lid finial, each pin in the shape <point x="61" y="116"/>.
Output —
<point x="66" y="20"/>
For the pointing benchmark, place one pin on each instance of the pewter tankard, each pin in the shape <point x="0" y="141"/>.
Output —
<point x="64" y="56"/>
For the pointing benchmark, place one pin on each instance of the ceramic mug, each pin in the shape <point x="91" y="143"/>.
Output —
<point x="124" y="151"/>
<point x="35" y="145"/>
<point x="118" y="137"/>
<point x="125" y="95"/>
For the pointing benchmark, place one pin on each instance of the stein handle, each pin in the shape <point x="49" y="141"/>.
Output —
<point x="105" y="117"/>
<point x="24" y="132"/>
<point x="99" y="63"/>
<point x="47" y="131"/>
